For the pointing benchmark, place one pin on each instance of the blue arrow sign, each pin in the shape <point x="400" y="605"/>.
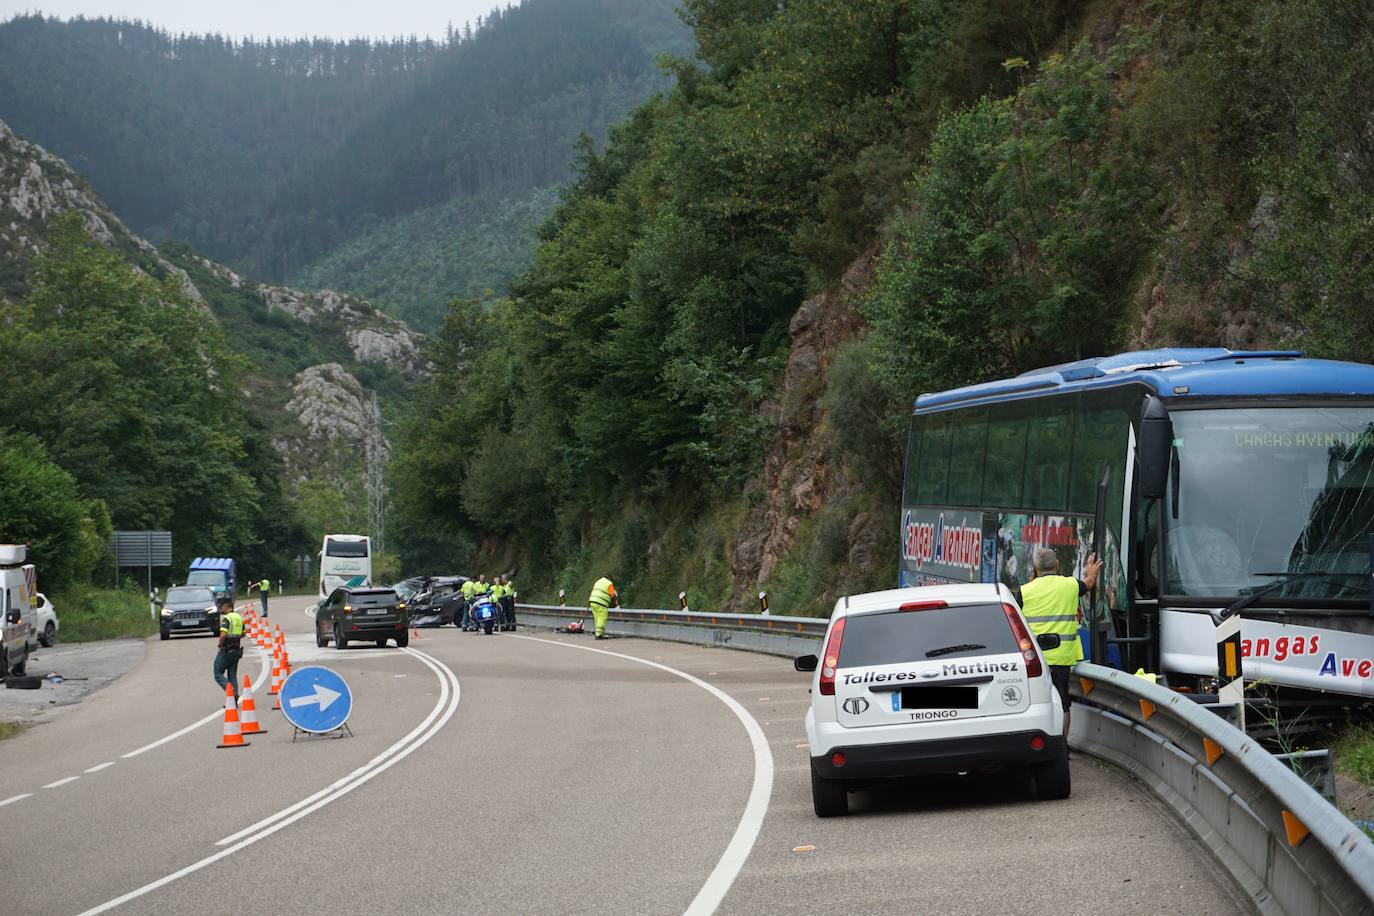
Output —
<point x="316" y="699"/>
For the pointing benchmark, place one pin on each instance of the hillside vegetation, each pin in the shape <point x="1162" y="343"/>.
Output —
<point x="939" y="192"/>
<point x="305" y="160"/>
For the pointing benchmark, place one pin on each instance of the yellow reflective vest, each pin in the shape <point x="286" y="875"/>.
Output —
<point x="603" y="592"/>
<point x="1050" y="605"/>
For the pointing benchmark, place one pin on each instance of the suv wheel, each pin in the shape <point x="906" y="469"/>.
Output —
<point x="403" y="639"/>
<point x="164" y="634"/>
<point x="340" y="640"/>
<point x="829" y="797"/>
<point x="320" y="640"/>
<point x="1052" y="776"/>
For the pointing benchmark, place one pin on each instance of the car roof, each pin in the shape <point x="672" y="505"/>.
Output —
<point x="893" y="598"/>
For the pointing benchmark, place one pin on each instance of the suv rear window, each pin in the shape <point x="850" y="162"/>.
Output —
<point x="372" y="599"/>
<point x="896" y="637"/>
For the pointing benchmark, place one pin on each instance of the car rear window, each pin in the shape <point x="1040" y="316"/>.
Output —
<point x="896" y="637"/>
<point x="372" y="599"/>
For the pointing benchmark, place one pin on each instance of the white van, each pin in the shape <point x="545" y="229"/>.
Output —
<point x="18" y="601"/>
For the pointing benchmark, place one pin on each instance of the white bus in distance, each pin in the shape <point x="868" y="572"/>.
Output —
<point x="345" y="560"/>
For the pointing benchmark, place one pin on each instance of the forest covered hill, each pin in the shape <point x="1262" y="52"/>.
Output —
<point x="408" y="170"/>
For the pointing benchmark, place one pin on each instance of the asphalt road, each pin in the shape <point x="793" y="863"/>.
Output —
<point x="539" y="774"/>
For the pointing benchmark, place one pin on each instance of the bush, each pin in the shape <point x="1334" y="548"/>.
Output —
<point x="86" y="612"/>
<point x="40" y="507"/>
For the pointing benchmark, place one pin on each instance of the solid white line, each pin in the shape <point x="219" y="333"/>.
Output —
<point x="262" y="674"/>
<point x="14" y="798"/>
<point x="755" y="809"/>
<point x="100" y="766"/>
<point x="61" y="782"/>
<point x="447" y="694"/>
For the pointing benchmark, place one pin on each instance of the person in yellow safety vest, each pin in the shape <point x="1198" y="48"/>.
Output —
<point x="1049" y="602"/>
<point x="602" y="599"/>
<point x="230" y="645"/>
<point x="483" y="587"/>
<point x="264" y="586"/>
<point x="469" y="591"/>
<point x="504" y="592"/>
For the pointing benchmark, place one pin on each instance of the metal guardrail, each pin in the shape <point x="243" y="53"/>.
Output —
<point x="1289" y="849"/>
<point x="787" y="636"/>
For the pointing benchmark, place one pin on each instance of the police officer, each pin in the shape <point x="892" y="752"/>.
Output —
<point x="602" y="598"/>
<point x="504" y="592"/>
<point x="469" y="591"/>
<point x="264" y="587"/>
<point x="1049" y="602"/>
<point x="230" y="645"/>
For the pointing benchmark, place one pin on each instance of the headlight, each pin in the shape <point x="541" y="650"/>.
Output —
<point x="166" y="612"/>
<point x="209" y="610"/>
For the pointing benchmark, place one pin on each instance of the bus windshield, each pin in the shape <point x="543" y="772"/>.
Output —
<point x="1259" y="494"/>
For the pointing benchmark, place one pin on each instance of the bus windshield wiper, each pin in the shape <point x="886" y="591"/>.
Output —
<point x="963" y="647"/>
<point x="1284" y="578"/>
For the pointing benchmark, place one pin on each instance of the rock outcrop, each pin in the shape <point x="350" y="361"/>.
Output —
<point x="372" y="336"/>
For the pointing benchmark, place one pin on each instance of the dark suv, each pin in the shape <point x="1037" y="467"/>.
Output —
<point x="362" y="613"/>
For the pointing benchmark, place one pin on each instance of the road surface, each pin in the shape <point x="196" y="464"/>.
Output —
<point x="539" y="773"/>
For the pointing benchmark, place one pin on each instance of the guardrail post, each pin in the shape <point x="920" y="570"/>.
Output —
<point x="1230" y="680"/>
<point x="562" y="598"/>
<point x="682" y="601"/>
<point x="763" y="602"/>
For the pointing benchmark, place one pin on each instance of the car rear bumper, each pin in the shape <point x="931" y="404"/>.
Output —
<point x="377" y="627"/>
<point x="938" y="755"/>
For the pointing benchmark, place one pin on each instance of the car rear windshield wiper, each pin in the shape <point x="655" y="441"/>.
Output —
<point x="1284" y="578"/>
<point x="962" y="647"/>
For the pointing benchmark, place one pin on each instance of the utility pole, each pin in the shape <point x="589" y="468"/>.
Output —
<point x="376" y="479"/>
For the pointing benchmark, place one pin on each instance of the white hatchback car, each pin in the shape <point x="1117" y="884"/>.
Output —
<point x="943" y="679"/>
<point x="45" y="621"/>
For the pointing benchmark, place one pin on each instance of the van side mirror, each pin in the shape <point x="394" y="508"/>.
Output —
<point x="805" y="662"/>
<point x="1048" y="641"/>
<point x="1154" y="448"/>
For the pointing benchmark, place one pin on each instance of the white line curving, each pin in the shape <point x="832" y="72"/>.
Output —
<point x="14" y="798"/>
<point x="718" y="883"/>
<point x="448" y="702"/>
<point x="61" y="782"/>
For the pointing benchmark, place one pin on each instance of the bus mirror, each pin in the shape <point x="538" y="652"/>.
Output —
<point x="1153" y="449"/>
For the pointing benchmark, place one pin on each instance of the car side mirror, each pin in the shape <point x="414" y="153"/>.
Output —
<point x="1048" y="641"/>
<point x="805" y="662"/>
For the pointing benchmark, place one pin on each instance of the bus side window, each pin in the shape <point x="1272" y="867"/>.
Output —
<point x="967" y="457"/>
<point x="1049" y="445"/>
<point x="1006" y="452"/>
<point x="913" y="463"/>
<point x="932" y="487"/>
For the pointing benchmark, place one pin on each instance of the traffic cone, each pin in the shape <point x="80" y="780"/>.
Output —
<point x="250" y="710"/>
<point x="276" y="674"/>
<point x="233" y="733"/>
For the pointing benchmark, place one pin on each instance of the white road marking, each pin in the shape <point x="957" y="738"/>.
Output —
<point x="718" y="883"/>
<point x="14" y="798"/>
<point x="448" y="703"/>
<point x="100" y="766"/>
<point x="262" y="675"/>
<point x="61" y="782"/>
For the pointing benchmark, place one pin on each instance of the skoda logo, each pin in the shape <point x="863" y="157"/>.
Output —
<point x="930" y="673"/>
<point x="855" y="706"/>
<point x="1011" y="696"/>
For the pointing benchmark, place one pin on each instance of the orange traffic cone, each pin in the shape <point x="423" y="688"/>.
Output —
<point x="250" y="710"/>
<point x="233" y="733"/>
<point x="276" y="674"/>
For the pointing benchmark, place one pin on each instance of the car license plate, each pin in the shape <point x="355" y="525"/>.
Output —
<point x="377" y="610"/>
<point x="187" y="623"/>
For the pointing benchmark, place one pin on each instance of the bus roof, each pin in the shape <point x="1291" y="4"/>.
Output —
<point x="1177" y="373"/>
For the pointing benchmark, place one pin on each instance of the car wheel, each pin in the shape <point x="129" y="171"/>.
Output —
<point x="402" y="639"/>
<point x="163" y="634"/>
<point x="381" y="644"/>
<point x="49" y="637"/>
<point x="1052" y="776"/>
<point x="17" y="682"/>
<point x="829" y="797"/>
<point x="320" y="640"/>
<point x="340" y="640"/>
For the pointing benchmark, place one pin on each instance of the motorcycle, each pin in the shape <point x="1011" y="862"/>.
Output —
<point x="484" y="613"/>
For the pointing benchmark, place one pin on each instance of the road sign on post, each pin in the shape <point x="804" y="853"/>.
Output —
<point x="142" y="548"/>
<point x="317" y="700"/>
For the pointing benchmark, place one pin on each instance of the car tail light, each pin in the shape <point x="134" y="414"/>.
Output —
<point x="400" y="606"/>
<point x="830" y="660"/>
<point x="923" y="605"/>
<point x="1024" y="641"/>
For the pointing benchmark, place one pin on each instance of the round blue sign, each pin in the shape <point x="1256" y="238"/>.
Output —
<point x="316" y="699"/>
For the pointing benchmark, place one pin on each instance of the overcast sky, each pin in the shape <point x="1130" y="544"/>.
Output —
<point x="274" y="18"/>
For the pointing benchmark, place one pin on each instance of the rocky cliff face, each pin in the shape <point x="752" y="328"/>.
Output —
<point x="326" y="410"/>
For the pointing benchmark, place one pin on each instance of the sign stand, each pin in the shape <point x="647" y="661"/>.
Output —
<point x="343" y="731"/>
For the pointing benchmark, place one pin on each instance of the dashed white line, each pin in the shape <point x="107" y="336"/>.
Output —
<point x="448" y="703"/>
<point x="731" y="862"/>
<point x="262" y="673"/>
<point x="101" y="766"/>
<point x="61" y="782"/>
<point x="14" y="798"/>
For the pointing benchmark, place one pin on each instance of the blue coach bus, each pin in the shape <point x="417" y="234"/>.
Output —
<point x="1206" y="478"/>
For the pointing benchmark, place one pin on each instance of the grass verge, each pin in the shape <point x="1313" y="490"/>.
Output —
<point x="86" y="612"/>
<point x="9" y="729"/>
